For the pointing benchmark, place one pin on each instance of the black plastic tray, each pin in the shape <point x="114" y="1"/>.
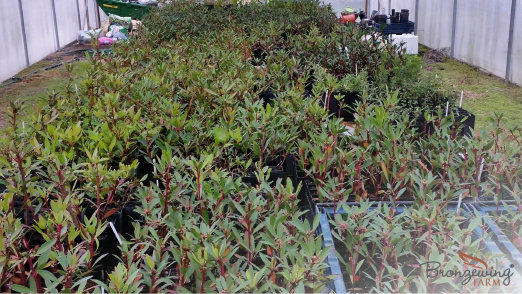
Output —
<point x="395" y="28"/>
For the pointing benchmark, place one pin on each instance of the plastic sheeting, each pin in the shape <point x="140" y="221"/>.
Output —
<point x="39" y="28"/>
<point x="482" y="33"/>
<point x="12" y="58"/>
<point x="434" y="27"/>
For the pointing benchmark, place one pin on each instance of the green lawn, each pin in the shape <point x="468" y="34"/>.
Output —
<point x="484" y="94"/>
<point x="35" y="87"/>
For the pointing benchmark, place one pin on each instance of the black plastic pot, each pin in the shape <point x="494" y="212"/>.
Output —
<point x="307" y="195"/>
<point x="381" y="18"/>
<point x="128" y="217"/>
<point x="421" y="125"/>
<point x="397" y="28"/>
<point x="395" y="17"/>
<point x="284" y="171"/>
<point x="108" y="243"/>
<point x="349" y="101"/>
<point x="209" y="6"/>
<point x="275" y="174"/>
<point x="123" y="221"/>
<point x="465" y="122"/>
<point x="268" y="97"/>
<point x="309" y="85"/>
<point x="26" y="218"/>
<point x="405" y="15"/>
<point x="258" y="57"/>
<point x="34" y="238"/>
<point x="146" y="169"/>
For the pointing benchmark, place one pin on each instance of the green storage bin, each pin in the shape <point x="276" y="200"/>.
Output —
<point x="120" y="8"/>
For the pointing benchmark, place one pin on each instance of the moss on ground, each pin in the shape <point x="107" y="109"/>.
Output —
<point x="484" y="94"/>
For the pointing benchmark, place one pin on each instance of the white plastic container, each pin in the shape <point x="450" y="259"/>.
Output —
<point x="411" y="42"/>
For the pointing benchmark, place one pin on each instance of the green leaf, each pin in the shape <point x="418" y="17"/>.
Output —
<point x="317" y="219"/>
<point x="44" y="257"/>
<point x="221" y="135"/>
<point x="443" y="280"/>
<point x="48" y="276"/>
<point x="21" y="289"/>
<point x="81" y="283"/>
<point x="150" y="262"/>
<point x="46" y="246"/>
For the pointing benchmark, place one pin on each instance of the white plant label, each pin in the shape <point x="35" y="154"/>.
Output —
<point x="325" y="99"/>
<point x="115" y="232"/>
<point x="480" y="170"/>
<point x="458" y="204"/>
<point x="154" y="163"/>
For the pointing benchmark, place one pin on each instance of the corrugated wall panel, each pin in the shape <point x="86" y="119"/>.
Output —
<point x="482" y="34"/>
<point x="91" y="5"/>
<point x="435" y="22"/>
<point x="12" y="59"/>
<point x="39" y="26"/>
<point x="67" y="19"/>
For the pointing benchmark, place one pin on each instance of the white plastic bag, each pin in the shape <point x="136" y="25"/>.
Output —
<point x="148" y="2"/>
<point x="85" y="37"/>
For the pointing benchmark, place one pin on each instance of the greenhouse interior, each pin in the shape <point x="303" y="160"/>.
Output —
<point x="282" y="146"/>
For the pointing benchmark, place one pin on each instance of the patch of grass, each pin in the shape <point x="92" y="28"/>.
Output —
<point x="484" y="94"/>
<point x="35" y="87"/>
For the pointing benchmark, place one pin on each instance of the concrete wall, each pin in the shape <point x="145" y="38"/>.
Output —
<point x="41" y="36"/>
<point x="481" y="30"/>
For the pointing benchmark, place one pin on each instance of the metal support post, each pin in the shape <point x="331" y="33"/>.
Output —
<point x="24" y="36"/>
<point x="453" y="28"/>
<point x="510" y="42"/>
<point x="55" y="20"/>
